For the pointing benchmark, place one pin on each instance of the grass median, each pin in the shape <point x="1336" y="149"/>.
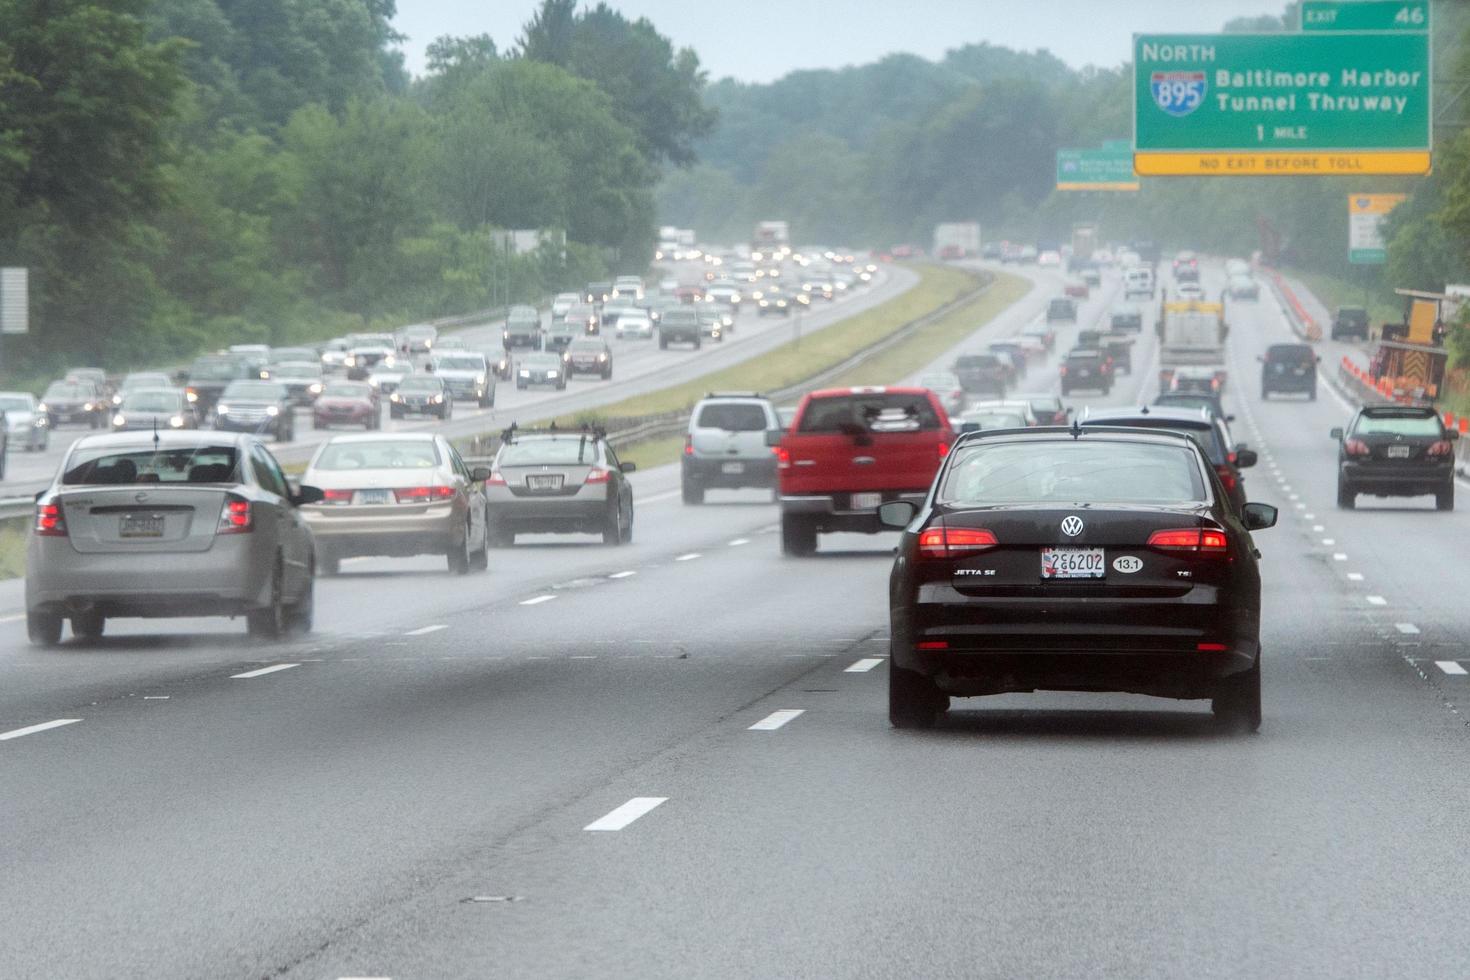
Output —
<point x="791" y="364"/>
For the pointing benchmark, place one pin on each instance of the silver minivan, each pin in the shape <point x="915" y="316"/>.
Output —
<point x="725" y="447"/>
<point x="169" y="524"/>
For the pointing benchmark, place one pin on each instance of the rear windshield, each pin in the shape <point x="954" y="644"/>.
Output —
<point x="1201" y="432"/>
<point x="876" y="412"/>
<point x="1351" y="315"/>
<point x="388" y="454"/>
<point x="564" y="451"/>
<point x="993" y="420"/>
<point x="733" y="417"/>
<point x="1398" y="425"/>
<point x="112" y="465"/>
<point x="1072" y="473"/>
<point x="1290" y="353"/>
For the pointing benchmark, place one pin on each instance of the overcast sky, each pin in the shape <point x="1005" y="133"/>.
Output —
<point x="760" y="40"/>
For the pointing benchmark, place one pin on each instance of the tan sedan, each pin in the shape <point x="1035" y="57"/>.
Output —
<point x="396" y="495"/>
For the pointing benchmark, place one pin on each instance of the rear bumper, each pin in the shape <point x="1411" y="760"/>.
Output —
<point x="1289" y="382"/>
<point x="710" y="471"/>
<point x="833" y="512"/>
<point x="1396" y="481"/>
<point x="228" y="579"/>
<point x="343" y="534"/>
<point x="585" y="512"/>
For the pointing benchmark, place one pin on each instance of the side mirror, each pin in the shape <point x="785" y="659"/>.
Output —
<point x="1245" y="459"/>
<point x="308" y="495"/>
<point x="628" y="467"/>
<point x="774" y="437"/>
<point x="1230" y="418"/>
<point x="480" y="474"/>
<point x="1452" y="434"/>
<point x="1258" y="517"/>
<point x="897" y="514"/>
<point x="1336" y="434"/>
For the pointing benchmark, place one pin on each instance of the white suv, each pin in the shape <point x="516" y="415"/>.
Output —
<point x="725" y="447"/>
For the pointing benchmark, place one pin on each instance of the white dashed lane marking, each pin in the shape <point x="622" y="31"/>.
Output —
<point x="537" y="600"/>
<point x="627" y="813"/>
<point x="1451" y="667"/>
<point x="739" y="541"/>
<point x="622" y="574"/>
<point x="863" y="666"/>
<point x="1408" y="629"/>
<point x="776" y="719"/>
<point x="689" y="557"/>
<point x="45" y="726"/>
<point x="1355" y="576"/>
<point x="426" y="630"/>
<point x="1339" y="557"/>
<point x="262" y="671"/>
<point x="1376" y="600"/>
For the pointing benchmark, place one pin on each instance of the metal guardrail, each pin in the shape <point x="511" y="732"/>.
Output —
<point x="642" y="428"/>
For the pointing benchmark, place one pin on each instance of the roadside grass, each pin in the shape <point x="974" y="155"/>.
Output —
<point x="13" y="535"/>
<point x="1334" y="291"/>
<point x="897" y="362"/>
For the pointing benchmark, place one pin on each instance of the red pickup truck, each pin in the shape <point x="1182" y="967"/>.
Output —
<point x="849" y="450"/>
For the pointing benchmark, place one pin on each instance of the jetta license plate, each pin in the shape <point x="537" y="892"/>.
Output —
<point x="141" y="526"/>
<point x="1073" y="563"/>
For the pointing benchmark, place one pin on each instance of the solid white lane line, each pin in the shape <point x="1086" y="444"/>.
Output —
<point x="1408" y="629"/>
<point x="261" y="672"/>
<point x="776" y="719"/>
<point x="33" y="729"/>
<point x="622" y="574"/>
<point x="1339" y="557"/>
<point x="426" y="630"/>
<point x="1376" y="600"/>
<point x="689" y="557"/>
<point x="863" y="666"/>
<point x="1451" y="667"/>
<point x="538" y="600"/>
<point x="739" y="541"/>
<point x="627" y="813"/>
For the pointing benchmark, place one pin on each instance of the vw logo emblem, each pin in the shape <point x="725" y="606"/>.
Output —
<point x="140" y="497"/>
<point x="1072" y="526"/>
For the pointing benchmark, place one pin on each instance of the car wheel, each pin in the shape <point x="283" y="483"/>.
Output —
<point x="612" y="528"/>
<point x="459" y="555"/>
<point x="1237" y="700"/>
<point x="1445" y="499"/>
<point x="693" y="493"/>
<point x="269" y="623"/>
<point x="1347" y="497"/>
<point x="480" y="560"/>
<point x="913" y="700"/>
<point x="628" y="527"/>
<point x="43" y="629"/>
<point x="302" y="614"/>
<point x="798" y="536"/>
<point x="328" y="565"/>
<point x="88" y="626"/>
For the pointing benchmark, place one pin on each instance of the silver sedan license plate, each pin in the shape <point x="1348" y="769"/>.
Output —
<point x="549" y="482"/>
<point x="141" y="526"/>
<point x="1073" y="563"/>
<point x="372" y="496"/>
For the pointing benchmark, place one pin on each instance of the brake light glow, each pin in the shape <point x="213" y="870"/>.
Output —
<point x="235" y="517"/>
<point x="688" y="445"/>
<point x="420" y="495"/>
<point x="952" y="542"/>
<point x="50" y="521"/>
<point x="1227" y="477"/>
<point x="1355" y="447"/>
<point x="1192" y="539"/>
<point x="1441" y="448"/>
<point x="1211" y="647"/>
<point x="933" y="645"/>
<point x="598" y="475"/>
<point x="337" y="497"/>
<point x="783" y="458"/>
<point x="943" y="449"/>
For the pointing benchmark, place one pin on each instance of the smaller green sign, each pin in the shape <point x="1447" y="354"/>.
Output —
<point x="1107" y="169"/>
<point x="1365" y="15"/>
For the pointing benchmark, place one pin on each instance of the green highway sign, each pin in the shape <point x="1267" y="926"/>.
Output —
<point x="1365" y="15"/>
<point x="1106" y="169"/>
<point x="1260" y="104"/>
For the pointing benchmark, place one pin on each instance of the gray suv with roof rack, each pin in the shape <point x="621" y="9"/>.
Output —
<point x="725" y="447"/>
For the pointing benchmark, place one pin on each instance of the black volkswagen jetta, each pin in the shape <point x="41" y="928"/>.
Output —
<point x="1083" y="559"/>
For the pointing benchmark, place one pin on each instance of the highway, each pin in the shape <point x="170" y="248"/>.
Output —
<point x="672" y="759"/>
<point x="639" y="366"/>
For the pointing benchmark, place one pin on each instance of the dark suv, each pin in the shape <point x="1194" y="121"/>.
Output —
<point x="1063" y="309"/>
<point x="1350" y="321"/>
<point x="1396" y="451"/>
<point x="1087" y="370"/>
<point x="981" y="374"/>
<point x="1289" y="369"/>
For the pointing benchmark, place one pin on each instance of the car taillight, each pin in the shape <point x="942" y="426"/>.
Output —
<point x="943" y="449"/>
<point x="50" y="521"/>
<point x="337" y="497"/>
<point x="783" y="458"/>
<point x="235" y="517"/>
<point x="1441" y="448"/>
<point x="1355" y="447"/>
<point x="1227" y="477"/>
<point x="598" y="475"/>
<point x="952" y="542"/>
<point x="688" y="445"/>
<point x="1064" y="370"/>
<point x="1192" y="539"/>
<point x="421" y="495"/>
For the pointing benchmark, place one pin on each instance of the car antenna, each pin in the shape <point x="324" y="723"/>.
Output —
<point x="1076" y="429"/>
<point x="155" y="433"/>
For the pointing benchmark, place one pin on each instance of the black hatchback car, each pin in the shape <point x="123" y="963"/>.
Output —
<point x="1075" y="560"/>
<point x="1289" y="369"/>
<point x="1396" y="451"/>
<point x="1086" y="370"/>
